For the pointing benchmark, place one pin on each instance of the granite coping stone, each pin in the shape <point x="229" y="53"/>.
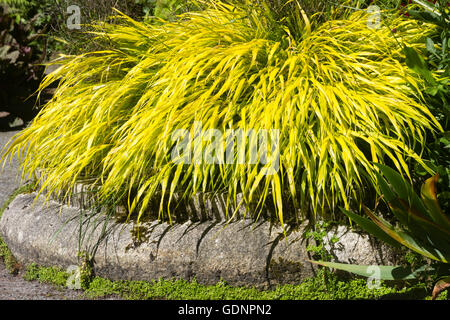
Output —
<point x="242" y="252"/>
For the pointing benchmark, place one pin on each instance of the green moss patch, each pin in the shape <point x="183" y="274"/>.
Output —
<point x="324" y="286"/>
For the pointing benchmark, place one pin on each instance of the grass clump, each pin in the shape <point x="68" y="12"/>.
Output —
<point x="339" y="93"/>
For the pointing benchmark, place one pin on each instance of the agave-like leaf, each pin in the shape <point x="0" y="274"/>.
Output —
<point x="378" y="272"/>
<point x="418" y="217"/>
<point x="385" y="189"/>
<point x="400" y="187"/>
<point x="407" y="239"/>
<point x="440" y="286"/>
<point x="421" y="226"/>
<point x="428" y="194"/>
<point x="370" y="227"/>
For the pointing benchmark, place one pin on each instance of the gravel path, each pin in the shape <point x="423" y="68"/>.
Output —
<point x="14" y="287"/>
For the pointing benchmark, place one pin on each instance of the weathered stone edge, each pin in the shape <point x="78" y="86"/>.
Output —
<point x="243" y="253"/>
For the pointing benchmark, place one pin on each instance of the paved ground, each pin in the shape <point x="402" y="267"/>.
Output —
<point x="15" y="287"/>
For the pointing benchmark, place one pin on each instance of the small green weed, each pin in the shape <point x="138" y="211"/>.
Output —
<point x="318" y="234"/>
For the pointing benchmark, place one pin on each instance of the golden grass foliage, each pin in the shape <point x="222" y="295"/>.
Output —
<point x="339" y="93"/>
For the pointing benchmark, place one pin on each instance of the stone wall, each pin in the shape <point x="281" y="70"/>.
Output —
<point x="242" y="252"/>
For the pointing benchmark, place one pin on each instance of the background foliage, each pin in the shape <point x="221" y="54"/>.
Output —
<point x="22" y="49"/>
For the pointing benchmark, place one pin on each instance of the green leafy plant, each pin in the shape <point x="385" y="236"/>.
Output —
<point x="423" y="228"/>
<point x="438" y="153"/>
<point x="432" y="65"/>
<point x="21" y="52"/>
<point x="168" y="9"/>
<point x="338" y="100"/>
<point x="317" y="234"/>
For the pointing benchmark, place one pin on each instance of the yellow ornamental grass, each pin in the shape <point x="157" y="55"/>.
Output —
<point x="340" y="95"/>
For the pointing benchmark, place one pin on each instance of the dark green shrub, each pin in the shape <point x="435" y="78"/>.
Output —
<point x="432" y="65"/>
<point x="21" y="52"/>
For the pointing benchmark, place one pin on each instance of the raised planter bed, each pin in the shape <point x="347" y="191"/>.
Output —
<point x="242" y="252"/>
